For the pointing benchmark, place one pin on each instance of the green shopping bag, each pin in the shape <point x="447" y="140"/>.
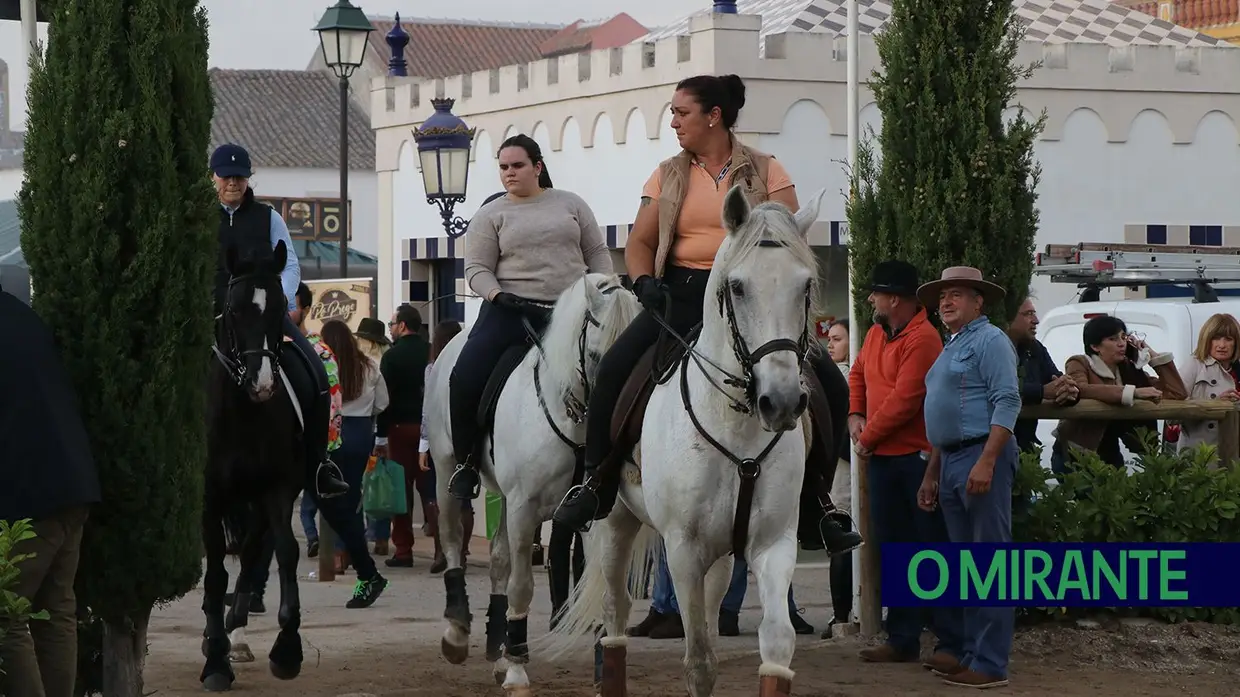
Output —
<point x="383" y="489"/>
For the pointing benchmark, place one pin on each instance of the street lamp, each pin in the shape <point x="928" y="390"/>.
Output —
<point x="444" y="142"/>
<point x="344" y="32"/>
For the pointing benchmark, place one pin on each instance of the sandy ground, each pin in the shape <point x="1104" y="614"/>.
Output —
<point x="392" y="649"/>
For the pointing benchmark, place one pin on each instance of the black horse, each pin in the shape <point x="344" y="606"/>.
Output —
<point x="255" y="465"/>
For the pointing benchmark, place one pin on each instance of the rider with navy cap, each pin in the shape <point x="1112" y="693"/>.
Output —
<point x="253" y="228"/>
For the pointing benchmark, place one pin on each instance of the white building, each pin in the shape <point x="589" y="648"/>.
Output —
<point x="1140" y="143"/>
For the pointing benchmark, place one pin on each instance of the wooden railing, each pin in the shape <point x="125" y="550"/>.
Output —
<point x="870" y="610"/>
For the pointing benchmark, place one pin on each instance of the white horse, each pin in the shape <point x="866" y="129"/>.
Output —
<point x="529" y="458"/>
<point x="731" y="417"/>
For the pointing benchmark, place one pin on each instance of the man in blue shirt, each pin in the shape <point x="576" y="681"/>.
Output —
<point x="254" y="228"/>
<point x="973" y="393"/>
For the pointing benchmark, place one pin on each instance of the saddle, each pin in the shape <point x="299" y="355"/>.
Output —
<point x="658" y="363"/>
<point x="504" y="369"/>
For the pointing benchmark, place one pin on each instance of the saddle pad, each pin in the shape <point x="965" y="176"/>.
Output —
<point x="495" y="384"/>
<point x="626" y="422"/>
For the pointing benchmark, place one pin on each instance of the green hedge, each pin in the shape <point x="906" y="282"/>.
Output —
<point x="15" y="610"/>
<point x="1171" y="497"/>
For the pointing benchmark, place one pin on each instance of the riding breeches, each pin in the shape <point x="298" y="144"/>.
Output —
<point x="496" y="330"/>
<point x="687" y="293"/>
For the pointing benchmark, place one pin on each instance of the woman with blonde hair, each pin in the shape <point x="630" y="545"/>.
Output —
<point x="1210" y="373"/>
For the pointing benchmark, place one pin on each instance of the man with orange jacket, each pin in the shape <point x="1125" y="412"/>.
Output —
<point x="886" y="422"/>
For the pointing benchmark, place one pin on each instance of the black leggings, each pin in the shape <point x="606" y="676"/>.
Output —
<point x="496" y="330"/>
<point x="687" y="291"/>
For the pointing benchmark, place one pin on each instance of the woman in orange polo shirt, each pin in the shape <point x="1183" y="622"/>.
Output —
<point x="669" y="253"/>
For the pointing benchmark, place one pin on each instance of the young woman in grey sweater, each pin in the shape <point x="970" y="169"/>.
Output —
<point x="528" y="245"/>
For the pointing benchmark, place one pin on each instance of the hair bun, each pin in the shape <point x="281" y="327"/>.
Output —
<point x="735" y="87"/>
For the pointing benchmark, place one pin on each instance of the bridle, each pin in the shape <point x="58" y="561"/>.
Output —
<point x="233" y="358"/>
<point x="744" y="357"/>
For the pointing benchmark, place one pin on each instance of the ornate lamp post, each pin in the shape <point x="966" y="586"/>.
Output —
<point x="444" y="142"/>
<point x="344" y="32"/>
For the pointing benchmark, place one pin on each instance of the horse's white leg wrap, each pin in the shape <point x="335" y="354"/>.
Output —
<point x="777" y="671"/>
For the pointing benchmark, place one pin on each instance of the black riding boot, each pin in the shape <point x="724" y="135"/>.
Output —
<point x="465" y="482"/>
<point x="822" y="525"/>
<point x="593" y="500"/>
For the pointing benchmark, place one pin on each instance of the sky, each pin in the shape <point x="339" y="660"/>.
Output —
<point x="278" y="34"/>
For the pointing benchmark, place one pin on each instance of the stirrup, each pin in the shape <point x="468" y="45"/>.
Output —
<point x="840" y="517"/>
<point x="573" y="495"/>
<point x="328" y="464"/>
<point x="456" y="474"/>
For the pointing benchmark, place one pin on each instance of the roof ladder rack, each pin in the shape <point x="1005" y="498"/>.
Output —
<point x="1093" y="266"/>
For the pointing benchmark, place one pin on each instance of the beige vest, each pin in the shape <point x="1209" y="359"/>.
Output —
<point x="749" y="169"/>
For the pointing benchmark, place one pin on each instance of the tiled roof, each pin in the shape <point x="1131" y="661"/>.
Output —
<point x="446" y="47"/>
<point x="288" y="118"/>
<point x="1049" y="21"/>
<point x="584" y="36"/>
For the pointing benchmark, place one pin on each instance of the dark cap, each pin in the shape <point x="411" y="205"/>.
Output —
<point x="231" y="160"/>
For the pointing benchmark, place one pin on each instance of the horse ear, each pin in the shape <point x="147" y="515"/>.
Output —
<point x="594" y="296"/>
<point x="735" y="209"/>
<point x="808" y="214"/>
<point x="281" y="254"/>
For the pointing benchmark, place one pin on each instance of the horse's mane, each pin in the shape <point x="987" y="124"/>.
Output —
<point x="774" y="222"/>
<point x="560" y="340"/>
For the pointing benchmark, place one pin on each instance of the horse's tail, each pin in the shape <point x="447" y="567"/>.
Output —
<point x="583" y="612"/>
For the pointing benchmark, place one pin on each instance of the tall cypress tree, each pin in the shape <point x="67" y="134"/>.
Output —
<point x="117" y="214"/>
<point x="951" y="184"/>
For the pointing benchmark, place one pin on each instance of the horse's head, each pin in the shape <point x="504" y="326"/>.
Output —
<point x="766" y="279"/>
<point x="588" y="318"/>
<point x="252" y="324"/>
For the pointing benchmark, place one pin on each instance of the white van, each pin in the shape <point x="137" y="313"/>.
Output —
<point x="1169" y="324"/>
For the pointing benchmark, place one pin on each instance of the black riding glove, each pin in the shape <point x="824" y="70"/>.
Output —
<point x="509" y="301"/>
<point x="649" y="291"/>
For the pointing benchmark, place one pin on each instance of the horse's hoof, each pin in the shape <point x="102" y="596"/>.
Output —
<point x="288" y="672"/>
<point x="456" y="655"/>
<point x="241" y="654"/>
<point x="217" y="682"/>
<point x="518" y="691"/>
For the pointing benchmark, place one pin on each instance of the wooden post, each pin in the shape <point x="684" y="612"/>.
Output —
<point x="1229" y="440"/>
<point x="870" y="612"/>
<point x="327" y="550"/>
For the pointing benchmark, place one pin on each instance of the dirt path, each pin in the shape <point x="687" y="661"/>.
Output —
<point x="392" y="650"/>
